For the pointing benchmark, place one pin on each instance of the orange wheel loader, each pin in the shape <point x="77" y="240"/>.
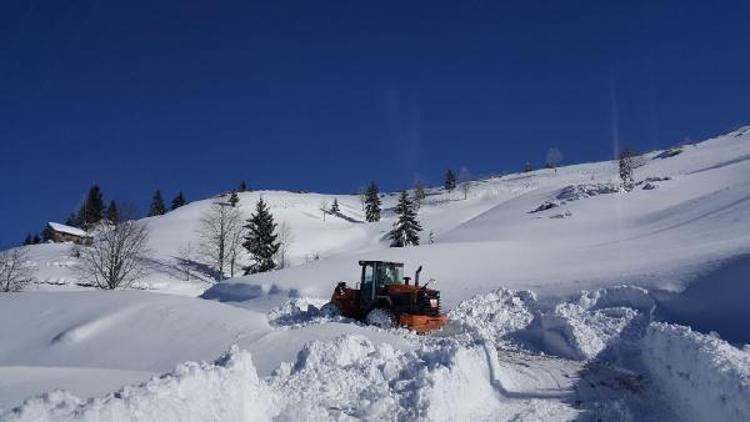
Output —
<point x="385" y="298"/>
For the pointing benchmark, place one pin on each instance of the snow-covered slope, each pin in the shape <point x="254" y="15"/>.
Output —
<point x="663" y="239"/>
<point x="511" y="278"/>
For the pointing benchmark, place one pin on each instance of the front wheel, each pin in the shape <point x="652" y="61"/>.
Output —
<point x="381" y="317"/>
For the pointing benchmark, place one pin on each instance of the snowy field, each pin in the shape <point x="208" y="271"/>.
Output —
<point x="567" y="299"/>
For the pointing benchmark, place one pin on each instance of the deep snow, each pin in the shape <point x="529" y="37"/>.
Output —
<point x="552" y="313"/>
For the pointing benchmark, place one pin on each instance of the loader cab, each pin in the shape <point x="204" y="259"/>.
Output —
<point x="376" y="275"/>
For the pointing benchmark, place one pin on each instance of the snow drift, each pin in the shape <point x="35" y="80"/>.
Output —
<point x="706" y="378"/>
<point x="351" y="377"/>
<point x="226" y="390"/>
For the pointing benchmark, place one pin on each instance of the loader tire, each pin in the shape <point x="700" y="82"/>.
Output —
<point x="330" y="310"/>
<point x="381" y="318"/>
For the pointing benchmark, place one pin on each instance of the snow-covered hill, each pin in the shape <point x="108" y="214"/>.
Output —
<point x="512" y="279"/>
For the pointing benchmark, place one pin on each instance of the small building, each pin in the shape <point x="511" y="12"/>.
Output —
<point x="60" y="233"/>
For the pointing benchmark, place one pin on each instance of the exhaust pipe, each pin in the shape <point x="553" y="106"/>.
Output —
<point x="416" y="276"/>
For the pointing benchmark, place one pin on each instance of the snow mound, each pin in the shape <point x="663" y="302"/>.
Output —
<point x="297" y="312"/>
<point x="672" y="152"/>
<point x="227" y="390"/>
<point x="561" y="215"/>
<point x="586" y="190"/>
<point x="618" y="296"/>
<point x="546" y="205"/>
<point x="349" y="377"/>
<point x="706" y="377"/>
<point x="493" y="315"/>
<point x="601" y="324"/>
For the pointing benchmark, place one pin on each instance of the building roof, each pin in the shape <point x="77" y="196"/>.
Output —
<point x="62" y="228"/>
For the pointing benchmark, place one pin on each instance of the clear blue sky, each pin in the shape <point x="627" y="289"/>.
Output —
<point x="327" y="95"/>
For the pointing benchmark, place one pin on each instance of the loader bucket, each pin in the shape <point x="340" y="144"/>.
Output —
<point x="422" y="323"/>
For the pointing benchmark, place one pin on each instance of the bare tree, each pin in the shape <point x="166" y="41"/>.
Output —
<point x="362" y="196"/>
<point x="464" y="178"/>
<point x="117" y="256"/>
<point x="15" y="269"/>
<point x="220" y="233"/>
<point x="185" y="259"/>
<point x="324" y="209"/>
<point x="234" y="244"/>
<point x="554" y="157"/>
<point x="285" y="239"/>
<point x="419" y="194"/>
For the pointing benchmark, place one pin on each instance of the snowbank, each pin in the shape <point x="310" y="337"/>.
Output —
<point x="227" y="390"/>
<point x="350" y="377"/>
<point x="493" y="315"/>
<point x="705" y="377"/>
<point x="600" y="324"/>
<point x="297" y="312"/>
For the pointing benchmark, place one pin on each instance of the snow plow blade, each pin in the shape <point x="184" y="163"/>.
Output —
<point x="422" y="323"/>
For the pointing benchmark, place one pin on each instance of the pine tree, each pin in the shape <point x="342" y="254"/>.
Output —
<point x="528" y="167"/>
<point x="178" y="201"/>
<point x="36" y="240"/>
<point x="372" y="203"/>
<point x="113" y="214"/>
<point x="260" y="241"/>
<point x="243" y="186"/>
<point x="234" y="199"/>
<point x="92" y="210"/>
<point x="157" y="205"/>
<point x="450" y="180"/>
<point x="28" y="239"/>
<point x="335" y="210"/>
<point x="72" y="220"/>
<point x="406" y="229"/>
<point x="626" y="163"/>
<point x="47" y="233"/>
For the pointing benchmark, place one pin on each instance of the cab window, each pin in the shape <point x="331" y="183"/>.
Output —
<point x="368" y="274"/>
<point x="393" y="275"/>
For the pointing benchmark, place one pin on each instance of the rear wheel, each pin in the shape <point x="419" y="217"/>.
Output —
<point x="381" y="317"/>
<point x="330" y="310"/>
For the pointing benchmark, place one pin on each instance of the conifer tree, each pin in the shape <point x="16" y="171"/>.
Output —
<point x="157" y="205"/>
<point x="243" y="186"/>
<point x="626" y="164"/>
<point x="28" y="240"/>
<point x="406" y="229"/>
<point x="92" y="210"/>
<point x="234" y="199"/>
<point x="450" y="180"/>
<point x="528" y="167"/>
<point x="372" y="203"/>
<point x="113" y="214"/>
<point x="178" y="201"/>
<point x="335" y="209"/>
<point x="72" y="221"/>
<point x="36" y="240"/>
<point x="260" y="241"/>
<point x="47" y="233"/>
